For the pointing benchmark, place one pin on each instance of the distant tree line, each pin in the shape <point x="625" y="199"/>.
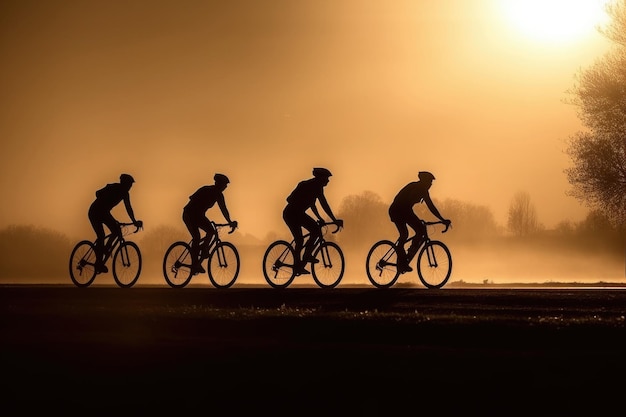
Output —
<point x="367" y="221"/>
<point x="31" y="252"/>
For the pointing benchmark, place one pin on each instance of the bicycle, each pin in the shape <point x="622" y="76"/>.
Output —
<point x="434" y="261"/>
<point x="222" y="267"/>
<point x="279" y="266"/>
<point x="126" y="263"/>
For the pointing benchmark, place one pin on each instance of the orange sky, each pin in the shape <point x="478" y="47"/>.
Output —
<point x="174" y="91"/>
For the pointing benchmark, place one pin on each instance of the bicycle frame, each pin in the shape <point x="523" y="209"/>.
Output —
<point x="434" y="262"/>
<point x="209" y="246"/>
<point x="317" y="243"/>
<point x="426" y="236"/>
<point x="223" y="259"/>
<point x="112" y="241"/>
<point x="281" y="262"/>
<point x="431" y="256"/>
<point x="126" y="264"/>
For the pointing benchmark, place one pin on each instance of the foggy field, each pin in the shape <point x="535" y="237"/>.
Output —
<point x="501" y="265"/>
<point x="308" y="351"/>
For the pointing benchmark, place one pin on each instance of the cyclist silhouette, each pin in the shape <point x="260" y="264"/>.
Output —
<point x="301" y="199"/>
<point x="100" y="214"/>
<point x="194" y="215"/>
<point x="401" y="214"/>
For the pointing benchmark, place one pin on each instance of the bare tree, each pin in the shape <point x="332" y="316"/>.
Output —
<point x="522" y="220"/>
<point x="598" y="173"/>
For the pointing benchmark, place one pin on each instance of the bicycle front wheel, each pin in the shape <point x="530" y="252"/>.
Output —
<point x="434" y="264"/>
<point x="328" y="270"/>
<point x="223" y="265"/>
<point x="83" y="264"/>
<point x="279" y="264"/>
<point x="177" y="265"/>
<point x="382" y="264"/>
<point x="127" y="264"/>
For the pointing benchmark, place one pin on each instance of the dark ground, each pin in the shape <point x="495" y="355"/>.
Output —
<point x="296" y="352"/>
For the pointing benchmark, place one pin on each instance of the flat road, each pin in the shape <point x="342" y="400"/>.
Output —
<point x="308" y="351"/>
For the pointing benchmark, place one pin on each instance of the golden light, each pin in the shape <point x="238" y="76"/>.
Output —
<point x="555" y="21"/>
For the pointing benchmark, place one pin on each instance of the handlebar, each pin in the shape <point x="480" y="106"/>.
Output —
<point x="338" y="224"/>
<point x="232" y="225"/>
<point x="448" y="225"/>
<point x="137" y="228"/>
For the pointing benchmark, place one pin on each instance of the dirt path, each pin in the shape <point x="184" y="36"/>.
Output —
<point x="299" y="352"/>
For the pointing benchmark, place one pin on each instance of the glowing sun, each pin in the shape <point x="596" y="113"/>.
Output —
<point x="555" y="20"/>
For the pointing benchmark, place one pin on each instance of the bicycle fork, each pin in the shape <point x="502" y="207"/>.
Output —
<point x="124" y="255"/>
<point x="432" y="260"/>
<point x="221" y="257"/>
<point x="325" y="257"/>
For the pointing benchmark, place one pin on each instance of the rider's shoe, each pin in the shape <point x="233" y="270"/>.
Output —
<point x="198" y="269"/>
<point x="101" y="269"/>
<point x="302" y="271"/>
<point x="404" y="268"/>
<point x="311" y="259"/>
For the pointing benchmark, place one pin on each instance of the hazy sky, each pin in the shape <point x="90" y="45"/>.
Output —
<point x="174" y="91"/>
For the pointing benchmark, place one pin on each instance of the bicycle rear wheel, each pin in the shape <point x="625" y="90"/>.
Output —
<point x="177" y="265"/>
<point x="127" y="264"/>
<point x="82" y="264"/>
<point x="382" y="264"/>
<point x="434" y="264"/>
<point x="279" y="264"/>
<point x="223" y="265"/>
<point x="328" y="270"/>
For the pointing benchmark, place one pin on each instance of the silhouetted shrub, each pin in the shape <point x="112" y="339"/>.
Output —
<point x="30" y="252"/>
<point x="365" y="219"/>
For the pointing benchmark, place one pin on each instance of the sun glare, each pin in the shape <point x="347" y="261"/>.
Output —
<point x="555" y="21"/>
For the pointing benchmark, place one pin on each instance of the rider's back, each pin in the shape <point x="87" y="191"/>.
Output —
<point x="410" y="194"/>
<point x="204" y="198"/>
<point x="305" y="194"/>
<point x="109" y="196"/>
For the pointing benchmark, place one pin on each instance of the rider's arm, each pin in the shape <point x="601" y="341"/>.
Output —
<point x="316" y="212"/>
<point x="222" y="205"/>
<point x="432" y="208"/>
<point x="129" y="208"/>
<point x="326" y="207"/>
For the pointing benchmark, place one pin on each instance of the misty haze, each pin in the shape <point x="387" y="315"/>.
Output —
<point x="509" y="116"/>
<point x="483" y="251"/>
<point x="477" y="92"/>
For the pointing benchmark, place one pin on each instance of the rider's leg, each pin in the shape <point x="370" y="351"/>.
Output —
<point x="420" y="230"/>
<point x="99" y="246"/>
<point x="399" y="216"/>
<point x="314" y="234"/>
<point x="116" y="233"/>
<point x="209" y="233"/>
<point x="194" y="231"/>
<point x="293" y="221"/>
<point x="95" y="218"/>
<point x="403" y="232"/>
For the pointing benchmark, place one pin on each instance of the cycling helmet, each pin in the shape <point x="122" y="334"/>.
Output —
<point x="321" y="172"/>
<point x="425" y="176"/>
<point x="221" y="179"/>
<point x="125" y="178"/>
